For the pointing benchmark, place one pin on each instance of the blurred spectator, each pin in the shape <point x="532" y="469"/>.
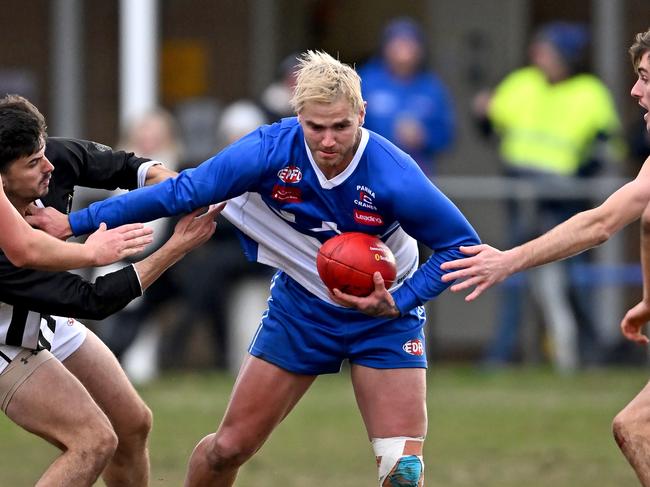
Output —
<point x="276" y="98"/>
<point x="407" y="103"/>
<point x="133" y="334"/>
<point x="555" y="121"/>
<point x="221" y="263"/>
<point x="155" y="135"/>
<point x="237" y="120"/>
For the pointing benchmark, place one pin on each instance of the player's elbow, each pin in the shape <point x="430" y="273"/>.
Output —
<point x="598" y="225"/>
<point x="25" y="256"/>
<point x="601" y="233"/>
<point x="17" y="258"/>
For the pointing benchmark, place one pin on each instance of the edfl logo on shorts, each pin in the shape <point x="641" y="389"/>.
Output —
<point x="414" y="347"/>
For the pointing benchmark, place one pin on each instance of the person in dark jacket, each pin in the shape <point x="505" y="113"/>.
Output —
<point x="57" y="379"/>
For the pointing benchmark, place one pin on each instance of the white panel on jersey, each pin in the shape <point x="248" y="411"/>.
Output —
<point x="30" y="332"/>
<point x="279" y="244"/>
<point x="283" y="247"/>
<point x="6" y="312"/>
<point x="32" y="328"/>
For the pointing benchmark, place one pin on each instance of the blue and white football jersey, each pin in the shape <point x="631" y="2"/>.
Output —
<point x="286" y="208"/>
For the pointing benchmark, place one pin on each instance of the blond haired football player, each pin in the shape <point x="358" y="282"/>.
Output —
<point x="306" y="179"/>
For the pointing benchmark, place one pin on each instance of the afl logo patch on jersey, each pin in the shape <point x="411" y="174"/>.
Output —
<point x="414" y="347"/>
<point x="290" y="174"/>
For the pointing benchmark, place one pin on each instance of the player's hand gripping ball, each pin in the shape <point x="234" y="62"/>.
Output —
<point x="348" y="261"/>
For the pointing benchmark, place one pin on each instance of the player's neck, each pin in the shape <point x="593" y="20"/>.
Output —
<point x="20" y="204"/>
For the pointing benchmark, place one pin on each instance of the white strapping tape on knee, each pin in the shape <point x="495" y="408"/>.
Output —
<point x="389" y="451"/>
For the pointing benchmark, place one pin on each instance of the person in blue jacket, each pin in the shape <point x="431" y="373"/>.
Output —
<point x="291" y="186"/>
<point x="407" y="103"/>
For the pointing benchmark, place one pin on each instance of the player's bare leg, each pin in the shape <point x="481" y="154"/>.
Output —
<point x="54" y="405"/>
<point x="632" y="433"/>
<point x="99" y="371"/>
<point x="392" y="403"/>
<point x="262" y="396"/>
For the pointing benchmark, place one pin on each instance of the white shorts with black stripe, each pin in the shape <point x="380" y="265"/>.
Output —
<point x="66" y="338"/>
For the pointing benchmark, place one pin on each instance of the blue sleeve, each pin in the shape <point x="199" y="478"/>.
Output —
<point x="230" y="173"/>
<point x="432" y="219"/>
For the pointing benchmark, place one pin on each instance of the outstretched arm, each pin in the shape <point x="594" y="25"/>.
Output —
<point x="191" y="231"/>
<point x="27" y="247"/>
<point x="67" y="294"/>
<point x="637" y="317"/>
<point x="486" y="266"/>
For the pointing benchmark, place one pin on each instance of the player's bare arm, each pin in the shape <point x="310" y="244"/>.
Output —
<point x="379" y="303"/>
<point x="39" y="250"/>
<point x="486" y="265"/>
<point x="27" y="247"/>
<point x="190" y="232"/>
<point x="44" y="252"/>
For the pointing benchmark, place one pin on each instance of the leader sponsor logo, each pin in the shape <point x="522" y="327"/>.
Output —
<point x="414" y="347"/>
<point x="367" y="218"/>
<point x="290" y="174"/>
<point x="286" y="194"/>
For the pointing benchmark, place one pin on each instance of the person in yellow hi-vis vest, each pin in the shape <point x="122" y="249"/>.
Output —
<point x="555" y="121"/>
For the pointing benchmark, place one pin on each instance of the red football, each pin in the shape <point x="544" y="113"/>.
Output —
<point x="349" y="260"/>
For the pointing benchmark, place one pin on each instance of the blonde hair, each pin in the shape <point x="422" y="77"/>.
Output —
<point x="640" y="47"/>
<point x="321" y="78"/>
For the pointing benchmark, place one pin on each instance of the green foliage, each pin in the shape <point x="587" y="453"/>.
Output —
<point x="504" y="429"/>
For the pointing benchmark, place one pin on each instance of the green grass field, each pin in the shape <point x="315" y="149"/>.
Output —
<point x="526" y="427"/>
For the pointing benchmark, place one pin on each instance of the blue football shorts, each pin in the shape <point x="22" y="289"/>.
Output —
<point x="306" y="335"/>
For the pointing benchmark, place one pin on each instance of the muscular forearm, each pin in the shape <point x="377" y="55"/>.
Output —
<point x="26" y="247"/>
<point x="44" y="252"/>
<point x="153" y="266"/>
<point x="190" y="231"/>
<point x="581" y="232"/>
<point x="586" y="229"/>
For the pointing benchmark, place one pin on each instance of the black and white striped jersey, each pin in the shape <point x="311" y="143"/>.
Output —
<point x="26" y="329"/>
